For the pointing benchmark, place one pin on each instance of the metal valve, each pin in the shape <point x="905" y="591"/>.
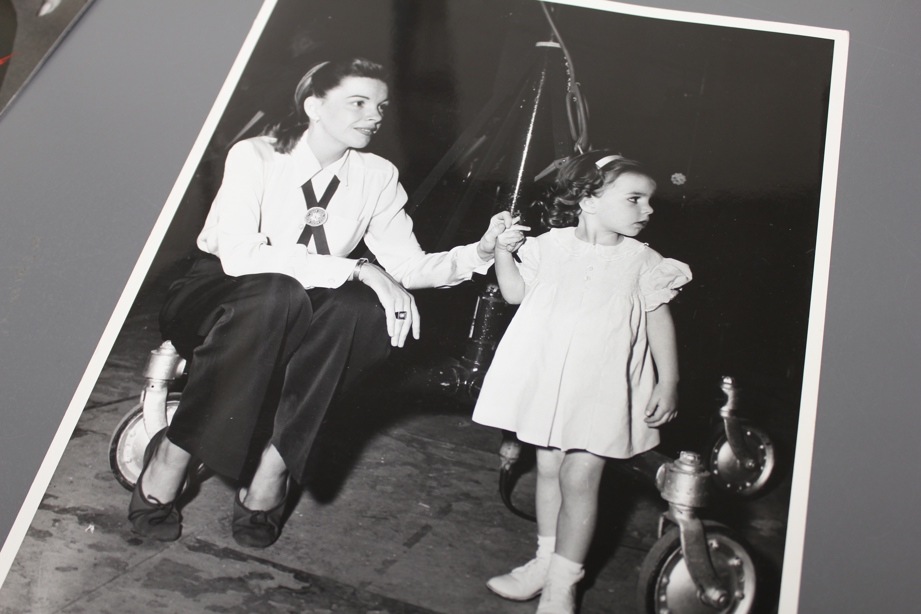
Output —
<point x="163" y="366"/>
<point x="685" y="481"/>
<point x="164" y="363"/>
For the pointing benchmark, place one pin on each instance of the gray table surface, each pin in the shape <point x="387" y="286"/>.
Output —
<point x="90" y="151"/>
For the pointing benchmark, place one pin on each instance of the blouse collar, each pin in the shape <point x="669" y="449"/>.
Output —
<point x="305" y="166"/>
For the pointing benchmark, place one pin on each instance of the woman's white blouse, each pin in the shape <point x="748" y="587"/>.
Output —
<point x="259" y="213"/>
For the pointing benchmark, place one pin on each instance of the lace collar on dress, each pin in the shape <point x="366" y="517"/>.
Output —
<point x="567" y="240"/>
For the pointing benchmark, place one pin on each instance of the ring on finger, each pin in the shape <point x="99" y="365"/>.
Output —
<point x="400" y="315"/>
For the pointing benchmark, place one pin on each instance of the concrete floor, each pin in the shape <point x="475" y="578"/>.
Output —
<point x="403" y="517"/>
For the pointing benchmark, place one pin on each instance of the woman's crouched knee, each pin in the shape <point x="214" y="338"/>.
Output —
<point x="280" y="297"/>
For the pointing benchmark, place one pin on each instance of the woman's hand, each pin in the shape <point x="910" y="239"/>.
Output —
<point x="498" y="224"/>
<point x="399" y="304"/>
<point x="663" y="405"/>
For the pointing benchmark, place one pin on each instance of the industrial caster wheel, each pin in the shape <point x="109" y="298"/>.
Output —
<point x="130" y="439"/>
<point x="665" y="584"/>
<point x="733" y="476"/>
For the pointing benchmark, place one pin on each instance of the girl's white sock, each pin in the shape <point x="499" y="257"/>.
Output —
<point x="546" y="546"/>
<point x="565" y="565"/>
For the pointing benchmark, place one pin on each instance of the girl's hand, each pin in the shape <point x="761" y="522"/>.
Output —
<point x="663" y="405"/>
<point x="399" y="304"/>
<point x="498" y="224"/>
<point x="511" y="239"/>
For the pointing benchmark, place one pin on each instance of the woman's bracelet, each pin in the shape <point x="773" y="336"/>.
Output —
<point x="356" y="272"/>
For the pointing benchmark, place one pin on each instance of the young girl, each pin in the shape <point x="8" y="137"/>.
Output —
<point x="588" y="367"/>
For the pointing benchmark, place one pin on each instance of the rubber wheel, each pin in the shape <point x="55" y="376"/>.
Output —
<point x="129" y="441"/>
<point x="665" y="584"/>
<point x="506" y="485"/>
<point x="728" y="473"/>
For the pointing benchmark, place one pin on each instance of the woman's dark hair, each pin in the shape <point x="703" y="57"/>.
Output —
<point x="579" y="178"/>
<point x="317" y="82"/>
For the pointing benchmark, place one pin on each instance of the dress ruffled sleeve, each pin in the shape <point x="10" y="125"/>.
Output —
<point x="529" y="256"/>
<point x="663" y="281"/>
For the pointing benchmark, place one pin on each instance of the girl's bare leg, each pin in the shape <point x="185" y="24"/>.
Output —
<point x="548" y="495"/>
<point x="580" y="478"/>
<point x="526" y="582"/>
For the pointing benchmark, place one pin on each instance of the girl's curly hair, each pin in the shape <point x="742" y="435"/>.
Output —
<point x="579" y="178"/>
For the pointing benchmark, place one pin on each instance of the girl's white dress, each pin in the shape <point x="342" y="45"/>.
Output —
<point x="574" y="370"/>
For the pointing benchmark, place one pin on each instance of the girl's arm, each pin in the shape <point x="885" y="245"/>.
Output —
<point x="511" y="284"/>
<point x="660" y="331"/>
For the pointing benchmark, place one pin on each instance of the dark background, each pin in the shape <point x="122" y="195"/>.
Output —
<point x="85" y="171"/>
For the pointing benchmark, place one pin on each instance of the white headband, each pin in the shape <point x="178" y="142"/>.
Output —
<point x="605" y="160"/>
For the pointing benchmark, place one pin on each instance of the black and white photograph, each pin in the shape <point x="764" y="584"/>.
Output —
<point x="30" y="30"/>
<point x="466" y="306"/>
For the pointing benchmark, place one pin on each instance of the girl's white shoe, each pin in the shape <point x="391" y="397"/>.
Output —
<point x="522" y="583"/>
<point x="559" y="592"/>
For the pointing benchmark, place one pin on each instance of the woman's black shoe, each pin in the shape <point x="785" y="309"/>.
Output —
<point x="256" y="528"/>
<point x="150" y="517"/>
